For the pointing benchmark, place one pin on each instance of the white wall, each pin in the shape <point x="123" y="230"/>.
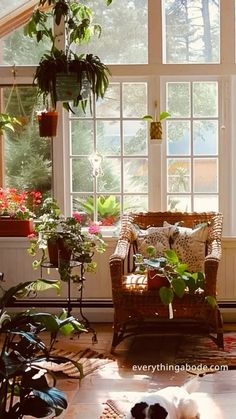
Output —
<point x="17" y="267"/>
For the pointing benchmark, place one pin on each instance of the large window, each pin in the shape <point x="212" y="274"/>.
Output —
<point x="192" y="146"/>
<point x="116" y="135"/>
<point x="178" y="54"/>
<point x="27" y="157"/>
<point x="192" y="31"/>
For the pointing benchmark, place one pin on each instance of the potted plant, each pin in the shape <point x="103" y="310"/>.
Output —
<point x="17" y="211"/>
<point x="25" y="387"/>
<point x="68" y="237"/>
<point x="87" y="74"/>
<point x="108" y="209"/>
<point x="156" y="124"/>
<point x="47" y="123"/>
<point x="173" y="277"/>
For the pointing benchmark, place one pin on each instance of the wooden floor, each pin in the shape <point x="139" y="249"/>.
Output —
<point x="118" y="380"/>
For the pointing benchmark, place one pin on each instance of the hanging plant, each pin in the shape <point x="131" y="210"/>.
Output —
<point x="88" y="75"/>
<point x="156" y="125"/>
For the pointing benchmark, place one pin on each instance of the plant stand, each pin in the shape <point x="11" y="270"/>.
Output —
<point x="71" y="265"/>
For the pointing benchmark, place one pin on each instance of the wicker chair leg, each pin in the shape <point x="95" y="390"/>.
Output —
<point x="220" y="330"/>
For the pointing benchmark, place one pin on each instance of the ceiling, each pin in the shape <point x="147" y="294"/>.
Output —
<point x="14" y="13"/>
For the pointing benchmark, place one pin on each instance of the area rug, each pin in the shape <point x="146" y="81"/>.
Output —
<point x="89" y="359"/>
<point x="197" y="351"/>
<point x="114" y="410"/>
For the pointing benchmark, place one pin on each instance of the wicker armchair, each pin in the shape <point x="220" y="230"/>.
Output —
<point x="135" y="311"/>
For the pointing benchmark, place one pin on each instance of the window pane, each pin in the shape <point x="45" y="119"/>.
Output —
<point x="85" y="205"/>
<point x="179" y="203"/>
<point x="205" y="137"/>
<point x="82" y="179"/>
<point x="191" y="31"/>
<point x="135" y="203"/>
<point x="135" y="137"/>
<point x="205" y="99"/>
<point x="20" y="49"/>
<point x="178" y="175"/>
<point x="27" y="157"/>
<point x="135" y="175"/>
<point x="178" y="137"/>
<point x="108" y="137"/>
<point x="206" y="203"/>
<point x="110" y="178"/>
<point x="134" y="100"/>
<point x="124" y="37"/>
<point x="205" y="177"/>
<point x="178" y="99"/>
<point x="109" y="106"/>
<point x="81" y="137"/>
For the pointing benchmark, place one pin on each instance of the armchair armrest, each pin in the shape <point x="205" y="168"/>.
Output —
<point x="212" y="260"/>
<point x="116" y="262"/>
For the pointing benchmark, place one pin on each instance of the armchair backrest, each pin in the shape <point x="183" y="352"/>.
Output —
<point x="156" y="219"/>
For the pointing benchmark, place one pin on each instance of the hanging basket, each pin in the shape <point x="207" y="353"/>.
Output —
<point x="156" y="131"/>
<point x="68" y="87"/>
<point x="48" y="124"/>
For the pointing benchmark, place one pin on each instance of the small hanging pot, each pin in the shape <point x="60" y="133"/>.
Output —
<point x="48" y="124"/>
<point x="156" y="130"/>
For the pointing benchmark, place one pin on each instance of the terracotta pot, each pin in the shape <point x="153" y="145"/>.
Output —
<point x="48" y="124"/>
<point x="15" y="228"/>
<point x="156" y="280"/>
<point x="156" y="131"/>
<point x="57" y="251"/>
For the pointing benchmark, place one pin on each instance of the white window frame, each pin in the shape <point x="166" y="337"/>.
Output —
<point x="156" y="73"/>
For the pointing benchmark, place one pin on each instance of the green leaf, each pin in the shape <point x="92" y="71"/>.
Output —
<point x="211" y="300"/>
<point x="163" y="115"/>
<point x="178" y="285"/>
<point x="171" y="256"/>
<point x="166" y="295"/>
<point x="148" y="118"/>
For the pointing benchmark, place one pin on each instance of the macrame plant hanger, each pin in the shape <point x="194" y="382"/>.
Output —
<point x="22" y="117"/>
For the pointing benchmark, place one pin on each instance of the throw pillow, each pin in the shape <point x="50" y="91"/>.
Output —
<point x="159" y="237"/>
<point x="190" y="245"/>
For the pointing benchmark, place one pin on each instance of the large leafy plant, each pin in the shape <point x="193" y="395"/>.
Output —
<point x="26" y="387"/>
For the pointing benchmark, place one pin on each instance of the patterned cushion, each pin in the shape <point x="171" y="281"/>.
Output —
<point x="159" y="237"/>
<point x="190" y="245"/>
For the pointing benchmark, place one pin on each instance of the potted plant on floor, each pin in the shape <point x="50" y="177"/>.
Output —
<point x="26" y="386"/>
<point x="87" y="74"/>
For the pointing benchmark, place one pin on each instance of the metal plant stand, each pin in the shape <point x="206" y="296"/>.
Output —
<point x="69" y="265"/>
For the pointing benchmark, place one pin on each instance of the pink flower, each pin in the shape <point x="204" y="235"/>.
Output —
<point x="77" y="216"/>
<point x="31" y="236"/>
<point x="94" y="228"/>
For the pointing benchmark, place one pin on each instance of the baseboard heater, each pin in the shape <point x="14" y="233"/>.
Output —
<point x="86" y="303"/>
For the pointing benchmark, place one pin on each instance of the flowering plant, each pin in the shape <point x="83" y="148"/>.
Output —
<point x="81" y="244"/>
<point x="19" y="205"/>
